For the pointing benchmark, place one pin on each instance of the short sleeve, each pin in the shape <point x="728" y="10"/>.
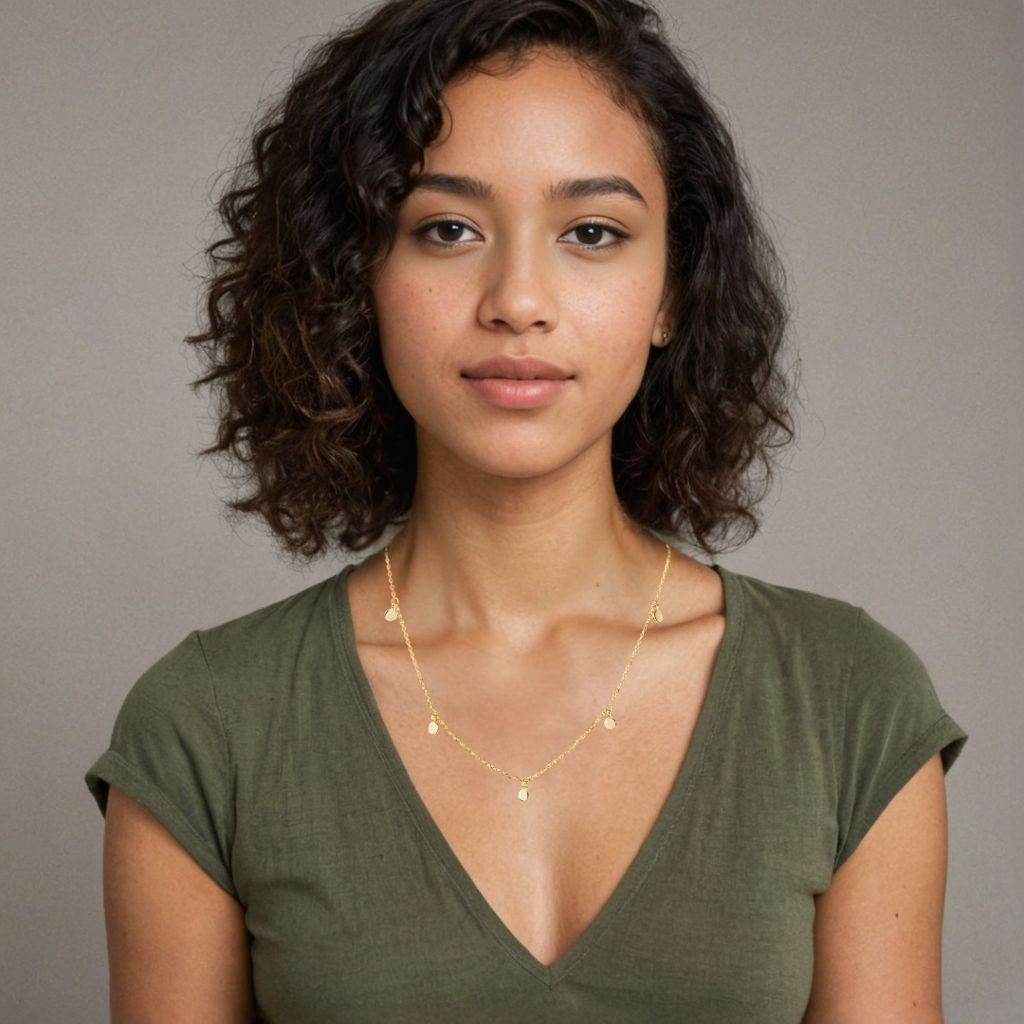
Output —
<point x="893" y="724"/>
<point x="169" y="751"/>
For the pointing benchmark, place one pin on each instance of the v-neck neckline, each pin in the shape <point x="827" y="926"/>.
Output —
<point x="701" y="741"/>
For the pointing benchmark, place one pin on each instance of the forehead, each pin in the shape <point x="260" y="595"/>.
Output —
<point x="546" y="122"/>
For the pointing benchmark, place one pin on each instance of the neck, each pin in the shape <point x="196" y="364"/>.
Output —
<point x="511" y="558"/>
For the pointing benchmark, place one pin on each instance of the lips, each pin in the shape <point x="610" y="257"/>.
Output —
<point x="508" y="393"/>
<point x="522" y="368"/>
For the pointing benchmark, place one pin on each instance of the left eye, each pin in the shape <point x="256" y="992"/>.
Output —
<point x="591" y="229"/>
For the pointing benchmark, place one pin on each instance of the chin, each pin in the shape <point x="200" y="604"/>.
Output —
<point x="520" y="452"/>
<point x="510" y="464"/>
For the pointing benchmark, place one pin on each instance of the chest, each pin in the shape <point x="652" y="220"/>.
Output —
<point x="548" y="865"/>
<point x="663" y="870"/>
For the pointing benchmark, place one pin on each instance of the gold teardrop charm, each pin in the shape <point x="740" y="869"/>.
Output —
<point x="432" y="728"/>
<point x="657" y="612"/>
<point x="524" y="794"/>
<point x="391" y="614"/>
<point x="609" y="722"/>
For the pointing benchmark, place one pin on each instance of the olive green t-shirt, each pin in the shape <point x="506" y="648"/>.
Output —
<point x="259" y="745"/>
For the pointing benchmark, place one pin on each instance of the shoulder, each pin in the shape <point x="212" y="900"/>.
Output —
<point x="825" y="652"/>
<point x="792" y="621"/>
<point x="270" y="631"/>
<point x="795" y="614"/>
<point x="845" y="686"/>
<point x="233" y="662"/>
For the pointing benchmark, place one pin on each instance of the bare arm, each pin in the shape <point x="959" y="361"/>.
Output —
<point x="176" y="941"/>
<point x="878" y="927"/>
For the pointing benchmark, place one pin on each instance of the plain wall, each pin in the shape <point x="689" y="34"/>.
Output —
<point x="885" y="140"/>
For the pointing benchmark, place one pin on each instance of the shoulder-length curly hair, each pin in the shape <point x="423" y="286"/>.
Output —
<point x="305" y="407"/>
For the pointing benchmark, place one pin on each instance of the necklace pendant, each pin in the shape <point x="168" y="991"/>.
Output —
<point x="391" y="614"/>
<point x="524" y="794"/>
<point x="432" y="728"/>
<point x="609" y="722"/>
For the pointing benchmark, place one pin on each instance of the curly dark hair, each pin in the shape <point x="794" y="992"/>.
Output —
<point x="305" y="407"/>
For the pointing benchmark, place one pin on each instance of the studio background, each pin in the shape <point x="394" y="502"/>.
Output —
<point x="885" y="141"/>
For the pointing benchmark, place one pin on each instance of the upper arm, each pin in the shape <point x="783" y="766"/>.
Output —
<point x="176" y="941"/>
<point x="878" y="927"/>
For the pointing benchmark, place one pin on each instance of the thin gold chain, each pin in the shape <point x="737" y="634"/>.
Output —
<point x="436" y="721"/>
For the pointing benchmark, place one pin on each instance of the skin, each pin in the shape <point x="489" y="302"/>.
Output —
<point x="512" y="503"/>
<point x="878" y="927"/>
<point x="509" y="505"/>
<point x="176" y="941"/>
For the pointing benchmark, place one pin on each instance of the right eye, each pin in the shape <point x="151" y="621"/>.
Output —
<point x="446" y="226"/>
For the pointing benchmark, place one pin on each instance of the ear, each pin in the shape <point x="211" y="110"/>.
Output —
<point x="661" y="333"/>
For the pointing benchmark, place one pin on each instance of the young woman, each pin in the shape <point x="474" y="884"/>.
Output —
<point x="494" y="276"/>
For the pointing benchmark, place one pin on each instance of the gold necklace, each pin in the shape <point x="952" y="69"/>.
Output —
<point x="436" y="721"/>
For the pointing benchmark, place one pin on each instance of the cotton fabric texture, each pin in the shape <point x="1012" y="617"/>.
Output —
<point x="259" y="745"/>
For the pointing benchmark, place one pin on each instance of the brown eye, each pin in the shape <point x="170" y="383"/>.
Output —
<point x="590" y="233"/>
<point x="449" y="228"/>
<point x="448" y="233"/>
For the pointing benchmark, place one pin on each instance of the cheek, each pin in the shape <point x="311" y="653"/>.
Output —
<point x="616" y="327"/>
<point x="411" y="326"/>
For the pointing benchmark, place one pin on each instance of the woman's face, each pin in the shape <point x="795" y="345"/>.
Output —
<point x="487" y="263"/>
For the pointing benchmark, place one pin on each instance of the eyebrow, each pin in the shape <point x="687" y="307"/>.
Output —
<point x="567" y="188"/>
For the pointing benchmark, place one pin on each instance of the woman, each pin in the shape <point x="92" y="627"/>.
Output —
<point x="494" y="275"/>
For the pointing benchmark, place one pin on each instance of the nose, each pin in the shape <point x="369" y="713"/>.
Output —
<point x="520" y="284"/>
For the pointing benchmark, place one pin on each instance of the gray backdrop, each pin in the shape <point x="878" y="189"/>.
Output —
<point x="886" y="143"/>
